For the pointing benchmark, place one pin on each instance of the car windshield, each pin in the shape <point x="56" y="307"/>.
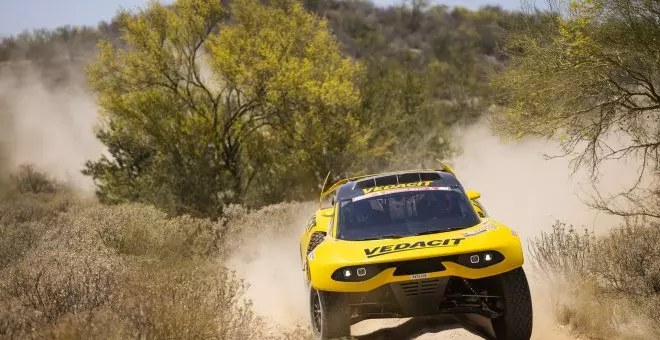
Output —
<point x="400" y="214"/>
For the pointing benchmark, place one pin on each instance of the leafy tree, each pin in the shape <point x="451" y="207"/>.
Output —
<point x="590" y="74"/>
<point x="397" y="100"/>
<point x="200" y="111"/>
<point x="170" y="75"/>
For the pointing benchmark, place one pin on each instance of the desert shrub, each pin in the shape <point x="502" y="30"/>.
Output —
<point x="151" y="299"/>
<point x="15" y="319"/>
<point x="126" y="271"/>
<point x="76" y="269"/>
<point x="142" y="230"/>
<point x="17" y="239"/>
<point x="26" y="216"/>
<point x="564" y="251"/>
<point x="34" y="207"/>
<point x="62" y="282"/>
<point x="606" y="286"/>
<point x="28" y="179"/>
<point x="43" y="287"/>
<point x="102" y="323"/>
<point x="186" y="300"/>
<point x="628" y="259"/>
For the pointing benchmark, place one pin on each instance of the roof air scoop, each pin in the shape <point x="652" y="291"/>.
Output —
<point x="394" y="179"/>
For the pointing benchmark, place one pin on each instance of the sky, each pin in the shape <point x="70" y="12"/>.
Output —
<point x="19" y="15"/>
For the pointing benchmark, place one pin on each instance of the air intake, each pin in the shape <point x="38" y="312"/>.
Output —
<point x="421" y="266"/>
<point x="409" y="177"/>
<point x="416" y="288"/>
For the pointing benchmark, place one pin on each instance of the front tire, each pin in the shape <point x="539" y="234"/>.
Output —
<point x="329" y="315"/>
<point x="515" y="323"/>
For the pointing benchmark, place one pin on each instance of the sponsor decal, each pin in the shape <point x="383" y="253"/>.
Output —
<point x="483" y="229"/>
<point x="397" y="186"/>
<point x="406" y="246"/>
<point x="392" y="189"/>
<point x="419" y="276"/>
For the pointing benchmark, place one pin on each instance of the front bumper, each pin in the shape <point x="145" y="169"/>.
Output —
<point x="333" y="255"/>
<point x="402" y="270"/>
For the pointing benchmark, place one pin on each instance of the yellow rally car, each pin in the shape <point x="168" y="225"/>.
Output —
<point x="407" y="244"/>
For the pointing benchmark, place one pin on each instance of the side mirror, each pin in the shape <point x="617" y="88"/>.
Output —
<point x="473" y="195"/>
<point x="328" y="213"/>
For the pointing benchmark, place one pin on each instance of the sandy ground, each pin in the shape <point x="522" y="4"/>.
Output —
<point x="408" y="329"/>
<point x="545" y="327"/>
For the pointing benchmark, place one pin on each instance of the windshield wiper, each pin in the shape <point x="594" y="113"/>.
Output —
<point x="437" y="231"/>
<point x="382" y="237"/>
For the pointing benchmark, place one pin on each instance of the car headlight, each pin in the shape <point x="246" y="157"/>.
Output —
<point x="358" y="273"/>
<point x="480" y="260"/>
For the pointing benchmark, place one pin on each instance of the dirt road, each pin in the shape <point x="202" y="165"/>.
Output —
<point x="440" y="328"/>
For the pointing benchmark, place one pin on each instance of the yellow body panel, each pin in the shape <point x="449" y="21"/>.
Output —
<point x="333" y="254"/>
<point x="320" y="224"/>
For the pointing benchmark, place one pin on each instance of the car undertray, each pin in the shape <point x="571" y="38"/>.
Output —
<point x="423" y="297"/>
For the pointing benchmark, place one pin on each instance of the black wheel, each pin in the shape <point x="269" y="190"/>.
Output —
<point x="329" y="315"/>
<point x="515" y="323"/>
<point x="315" y="240"/>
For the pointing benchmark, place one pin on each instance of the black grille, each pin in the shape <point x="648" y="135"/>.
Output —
<point x="416" y="288"/>
<point x="419" y="266"/>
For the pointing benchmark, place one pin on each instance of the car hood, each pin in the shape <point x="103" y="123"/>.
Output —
<point x="487" y="235"/>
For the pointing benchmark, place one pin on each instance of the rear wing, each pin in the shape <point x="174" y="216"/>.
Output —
<point x="443" y="167"/>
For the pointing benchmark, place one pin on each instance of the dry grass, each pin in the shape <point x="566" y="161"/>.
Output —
<point x="564" y="251"/>
<point x="71" y="269"/>
<point x="605" y="287"/>
<point x="189" y="300"/>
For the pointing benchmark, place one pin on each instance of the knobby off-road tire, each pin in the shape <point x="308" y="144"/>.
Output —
<point x="516" y="321"/>
<point x="329" y="315"/>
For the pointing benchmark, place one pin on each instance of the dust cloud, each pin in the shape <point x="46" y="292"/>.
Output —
<point x="48" y="126"/>
<point x="267" y="257"/>
<point x="275" y="278"/>
<point x="527" y="192"/>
